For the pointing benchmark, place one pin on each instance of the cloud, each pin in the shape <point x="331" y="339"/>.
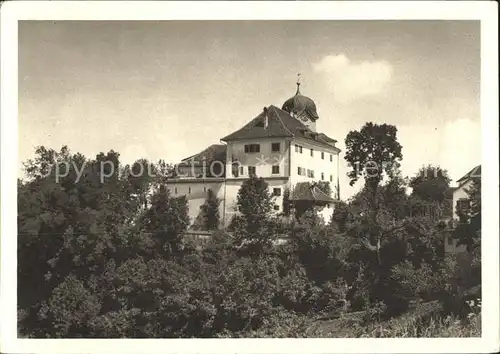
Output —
<point x="350" y="80"/>
<point x="456" y="146"/>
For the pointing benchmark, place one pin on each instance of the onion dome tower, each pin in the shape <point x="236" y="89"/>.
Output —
<point x="302" y="108"/>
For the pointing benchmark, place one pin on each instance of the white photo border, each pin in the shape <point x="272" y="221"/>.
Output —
<point x="486" y="12"/>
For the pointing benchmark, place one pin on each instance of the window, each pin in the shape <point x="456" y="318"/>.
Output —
<point x="331" y="178"/>
<point x="175" y="190"/>
<point x="234" y="169"/>
<point x="277" y="192"/>
<point x="322" y="176"/>
<point x="296" y="148"/>
<point x="275" y="147"/>
<point x="312" y="152"/>
<point x="242" y="171"/>
<point x="276" y="207"/>
<point x="331" y="157"/>
<point x="252" y="148"/>
<point x="275" y="169"/>
<point x="301" y="171"/>
<point x="189" y="190"/>
<point x="310" y="173"/>
<point x="204" y="189"/>
<point x="251" y="171"/>
<point x="322" y="155"/>
<point x="300" y="149"/>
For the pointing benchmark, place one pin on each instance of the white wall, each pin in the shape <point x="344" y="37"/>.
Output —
<point x="315" y="163"/>
<point x="195" y="191"/>
<point x="263" y="160"/>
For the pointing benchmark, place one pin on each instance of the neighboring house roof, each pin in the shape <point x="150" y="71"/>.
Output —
<point x="306" y="191"/>
<point x="215" y="152"/>
<point x="474" y="173"/>
<point x="273" y="122"/>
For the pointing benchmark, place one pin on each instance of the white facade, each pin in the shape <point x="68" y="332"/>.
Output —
<point x="278" y="168"/>
<point x="317" y="163"/>
<point x="262" y="160"/>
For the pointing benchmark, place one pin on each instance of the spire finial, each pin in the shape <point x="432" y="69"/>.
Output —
<point x="298" y="83"/>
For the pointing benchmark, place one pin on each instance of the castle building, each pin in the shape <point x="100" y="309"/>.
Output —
<point x="281" y="145"/>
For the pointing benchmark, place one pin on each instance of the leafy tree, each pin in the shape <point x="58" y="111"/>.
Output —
<point x="253" y="226"/>
<point x="286" y="202"/>
<point x="166" y="221"/>
<point x="71" y="218"/>
<point x="430" y="184"/>
<point x="210" y="211"/>
<point x="371" y="152"/>
<point x="468" y="230"/>
<point x="325" y="187"/>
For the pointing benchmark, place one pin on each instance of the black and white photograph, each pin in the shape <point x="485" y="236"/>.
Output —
<point x="250" y="177"/>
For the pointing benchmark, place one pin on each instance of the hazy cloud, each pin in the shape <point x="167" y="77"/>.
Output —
<point x="455" y="147"/>
<point x="349" y="80"/>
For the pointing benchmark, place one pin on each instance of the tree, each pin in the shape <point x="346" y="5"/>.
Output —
<point x="371" y="152"/>
<point x="72" y="213"/>
<point x="325" y="187"/>
<point x="166" y="221"/>
<point x="210" y="211"/>
<point x="468" y="230"/>
<point x="253" y="226"/>
<point x="286" y="202"/>
<point x="430" y="184"/>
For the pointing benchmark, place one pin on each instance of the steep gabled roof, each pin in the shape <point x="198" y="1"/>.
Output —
<point x="279" y="124"/>
<point x="257" y="128"/>
<point x="474" y="173"/>
<point x="215" y="152"/>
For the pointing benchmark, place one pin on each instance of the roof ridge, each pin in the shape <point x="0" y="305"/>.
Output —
<point x="316" y="189"/>
<point x="282" y="123"/>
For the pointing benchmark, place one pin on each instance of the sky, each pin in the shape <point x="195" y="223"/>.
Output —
<point x="168" y="89"/>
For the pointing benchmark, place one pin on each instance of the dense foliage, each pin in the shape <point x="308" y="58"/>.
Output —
<point x="102" y="252"/>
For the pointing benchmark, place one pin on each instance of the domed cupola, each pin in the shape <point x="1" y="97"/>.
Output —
<point x="300" y="106"/>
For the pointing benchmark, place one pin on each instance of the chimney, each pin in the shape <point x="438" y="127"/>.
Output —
<point x="266" y="118"/>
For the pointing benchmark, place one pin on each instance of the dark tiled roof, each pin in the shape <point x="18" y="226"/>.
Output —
<point x="474" y="173"/>
<point x="306" y="191"/>
<point x="215" y="152"/>
<point x="279" y="124"/>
